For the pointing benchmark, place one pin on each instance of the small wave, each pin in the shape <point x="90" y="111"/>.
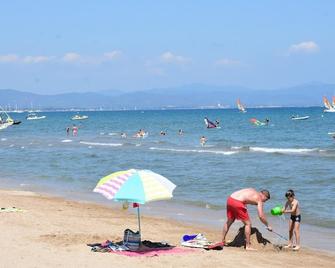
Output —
<point x="100" y="144"/>
<point x="283" y="150"/>
<point x="3" y="139"/>
<point x="113" y="134"/>
<point x="66" y="141"/>
<point x="240" y="148"/>
<point x="193" y="151"/>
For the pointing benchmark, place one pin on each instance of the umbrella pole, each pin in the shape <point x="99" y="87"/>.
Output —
<point x="139" y="219"/>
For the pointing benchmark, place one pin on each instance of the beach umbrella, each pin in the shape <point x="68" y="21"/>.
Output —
<point x="135" y="186"/>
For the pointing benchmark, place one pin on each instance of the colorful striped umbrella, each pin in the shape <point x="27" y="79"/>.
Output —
<point x="136" y="186"/>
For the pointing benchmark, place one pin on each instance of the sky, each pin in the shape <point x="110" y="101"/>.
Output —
<point x="77" y="46"/>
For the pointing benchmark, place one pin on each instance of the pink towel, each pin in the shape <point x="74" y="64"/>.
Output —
<point x="155" y="252"/>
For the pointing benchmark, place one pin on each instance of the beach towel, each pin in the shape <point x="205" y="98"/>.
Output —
<point x="147" y="249"/>
<point x="11" y="209"/>
<point x="155" y="252"/>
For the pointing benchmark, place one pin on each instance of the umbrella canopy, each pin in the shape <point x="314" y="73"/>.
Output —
<point x="136" y="186"/>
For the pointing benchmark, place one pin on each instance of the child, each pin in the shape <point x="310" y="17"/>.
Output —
<point x="292" y="206"/>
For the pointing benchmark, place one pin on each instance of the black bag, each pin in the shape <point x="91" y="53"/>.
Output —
<point x="132" y="240"/>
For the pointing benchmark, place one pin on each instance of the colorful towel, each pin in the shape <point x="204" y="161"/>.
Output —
<point x="155" y="252"/>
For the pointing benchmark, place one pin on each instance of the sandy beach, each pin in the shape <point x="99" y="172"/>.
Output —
<point x="53" y="232"/>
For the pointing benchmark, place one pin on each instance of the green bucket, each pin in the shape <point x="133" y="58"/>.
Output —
<point x="277" y="211"/>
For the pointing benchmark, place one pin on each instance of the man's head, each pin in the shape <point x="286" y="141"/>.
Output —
<point x="265" y="195"/>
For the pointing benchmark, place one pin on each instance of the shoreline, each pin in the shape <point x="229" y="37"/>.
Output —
<point x="54" y="231"/>
<point x="313" y="237"/>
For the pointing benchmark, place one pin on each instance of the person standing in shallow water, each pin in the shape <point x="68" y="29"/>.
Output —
<point x="237" y="210"/>
<point x="67" y="131"/>
<point x="203" y="141"/>
<point x="74" y="130"/>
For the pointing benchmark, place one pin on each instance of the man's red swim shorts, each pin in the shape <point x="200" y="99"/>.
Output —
<point x="236" y="210"/>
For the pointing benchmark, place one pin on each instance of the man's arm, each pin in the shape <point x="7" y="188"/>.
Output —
<point x="261" y="215"/>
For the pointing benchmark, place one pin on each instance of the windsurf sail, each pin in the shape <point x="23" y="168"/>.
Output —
<point x="326" y="103"/>
<point x="209" y="124"/>
<point x="5" y="120"/>
<point x="333" y="102"/>
<point x="257" y="122"/>
<point x="240" y="106"/>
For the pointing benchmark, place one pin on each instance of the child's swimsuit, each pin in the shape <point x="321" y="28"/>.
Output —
<point x="296" y="218"/>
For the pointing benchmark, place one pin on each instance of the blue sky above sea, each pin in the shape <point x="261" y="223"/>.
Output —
<point x="54" y="47"/>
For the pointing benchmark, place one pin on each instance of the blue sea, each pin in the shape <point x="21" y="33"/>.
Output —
<point x="38" y="155"/>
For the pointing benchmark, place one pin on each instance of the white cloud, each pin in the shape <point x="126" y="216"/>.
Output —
<point x="227" y="62"/>
<point x="9" y="58"/>
<point x="72" y="57"/>
<point x="169" y="57"/>
<point x="36" y="59"/>
<point x="304" y="47"/>
<point x="112" y="55"/>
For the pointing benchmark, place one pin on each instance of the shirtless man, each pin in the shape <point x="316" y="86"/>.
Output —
<point x="237" y="210"/>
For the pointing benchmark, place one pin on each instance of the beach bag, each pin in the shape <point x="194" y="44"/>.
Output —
<point x="132" y="240"/>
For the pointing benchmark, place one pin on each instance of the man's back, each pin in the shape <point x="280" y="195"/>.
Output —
<point x="247" y="196"/>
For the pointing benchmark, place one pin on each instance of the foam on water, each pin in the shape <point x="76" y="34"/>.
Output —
<point x="101" y="144"/>
<point x="66" y="141"/>
<point x="193" y="151"/>
<point x="283" y="150"/>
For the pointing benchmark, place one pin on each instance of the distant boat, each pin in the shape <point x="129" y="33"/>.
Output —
<point x="79" y="117"/>
<point x="297" y="117"/>
<point x="330" y="108"/>
<point x="33" y="116"/>
<point x="240" y="106"/>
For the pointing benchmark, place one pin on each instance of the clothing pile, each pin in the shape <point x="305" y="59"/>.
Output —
<point x="200" y="241"/>
<point x="195" y="241"/>
<point x="109" y="246"/>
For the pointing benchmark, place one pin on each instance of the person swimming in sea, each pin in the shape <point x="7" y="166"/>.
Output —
<point x="203" y="140"/>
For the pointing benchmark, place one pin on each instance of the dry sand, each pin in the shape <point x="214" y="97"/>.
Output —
<point x="53" y="232"/>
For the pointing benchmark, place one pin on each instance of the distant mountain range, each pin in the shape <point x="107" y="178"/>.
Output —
<point x="190" y="96"/>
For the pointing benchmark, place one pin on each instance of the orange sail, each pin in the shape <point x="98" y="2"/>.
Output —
<point x="333" y="102"/>
<point x="326" y="103"/>
<point x="240" y="106"/>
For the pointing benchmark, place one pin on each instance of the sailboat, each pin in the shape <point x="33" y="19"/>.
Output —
<point x="240" y="106"/>
<point x="330" y="108"/>
<point x="5" y="120"/>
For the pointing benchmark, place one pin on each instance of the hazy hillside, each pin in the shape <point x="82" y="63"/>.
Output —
<point x="191" y="96"/>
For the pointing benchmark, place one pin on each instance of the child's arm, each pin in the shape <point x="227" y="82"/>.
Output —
<point x="293" y="209"/>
